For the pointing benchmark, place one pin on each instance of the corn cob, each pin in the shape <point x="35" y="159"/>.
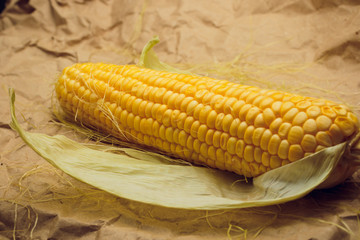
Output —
<point x="221" y="124"/>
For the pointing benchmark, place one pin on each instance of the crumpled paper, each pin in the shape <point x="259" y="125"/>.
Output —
<point x="302" y="46"/>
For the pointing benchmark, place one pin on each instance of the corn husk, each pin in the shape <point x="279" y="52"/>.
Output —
<point x="151" y="178"/>
<point x="149" y="59"/>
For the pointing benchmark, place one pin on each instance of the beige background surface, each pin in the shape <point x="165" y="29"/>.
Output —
<point x="303" y="46"/>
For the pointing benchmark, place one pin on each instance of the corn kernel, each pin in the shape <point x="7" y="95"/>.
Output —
<point x="336" y="134"/>
<point x="295" y="135"/>
<point x="284" y="129"/>
<point x="308" y="143"/>
<point x="324" y="139"/>
<point x="274" y="144"/>
<point x="310" y="126"/>
<point x="285" y="107"/>
<point x="275" y="162"/>
<point x="265" y="139"/>
<point x="269" y="116"/>
<point x="249" y="153"/>
<point x="313" y="111"/>
<point x="239" y="148"/>
<point x="323" y="123"/>
<point x="299" y="119"/>
<point x="283" y="149"/>
<point x="347" y="126"/>
<point x="295" y="152"/>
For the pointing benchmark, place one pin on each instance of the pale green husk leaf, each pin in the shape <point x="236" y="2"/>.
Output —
<point x="147" y="178"/>
<point x="149" y="59"/>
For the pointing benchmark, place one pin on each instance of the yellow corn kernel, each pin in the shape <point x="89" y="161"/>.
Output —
<point x="209" y="137"/>
<point x="216" y="138"/>
<point x="290" y="115"/>
<point x="202" y="132"/>
<point x="266" y="102"/>
<point x="354" y="119"/>
<point x="241" y="130"/>
<point x="227" y="121"/>
<point x="235" y="109"/>
<point x="339" y="110"/>
<point x="323" y="123"/>
<point x="284" y="129"/>
<point x="211" y="119"/>
<point x="197" y="110"/>
<point x="196" y="145"/>
<point x="302" y="105"/>
<point x="234" y="127"/>
<point x="239" y="148"/>
<point x="223" y="140"/>
<point x="220" y="159"/>
<point x="204" y="150"/>
<point x="257" y="134"/>
<point x="251" y="96"/>
<point x="328" y="111"/>
<point x="299" y="119"/>
<point x="283" y="149"/>
<point x="257" y="154"/>
<point x="276" y="107"/>
<point x="183" y="138"/>
<point x="228" y="105"/>
<point x="194" y="129"/>
<point x="265" y="139"/>
<point x="269" y="116"/>
<point x="336" y="134"/>
<point x="313" y="111"/>
<point x="190" y="106"/>
<point x="258" y="100"/>
<point x="249" y="153"/>
<point x="319" y="148"/>
<point x="178" y="101"/>
<point x="231" y="145"/>
<point x="166" y="118"/>
<point x="219" y="120"/>
<point x="295" y="152"/>
<point x="295" y="135"/>
<point x="274" y="144"/>
<point x="308" y="143"/>
<point x="310" y="126"/>
<point x="243" y="111"/>
<point x="174" y="118"/>
<point x="296" y="99"/>
<point x="275" y="162"/>
<point x="211" y="153"/>
<point x="265" y="159"/>
<point x="169" y="133"/>
<point x="228" y="161"/>
<point x="285" y="107"/>
<point x="248" y="136"/>
<point x="252" y="113"/>
<point x="259" y="121"/>
<point x="204" y="112"/>
<point x="324" y="139"/>
<point x="346" y="125"/>
<point x="187" y="125"/>
<point x="275" y="125"/>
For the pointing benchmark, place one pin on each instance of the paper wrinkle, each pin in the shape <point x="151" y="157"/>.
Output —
<point x="39" y="38"/>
